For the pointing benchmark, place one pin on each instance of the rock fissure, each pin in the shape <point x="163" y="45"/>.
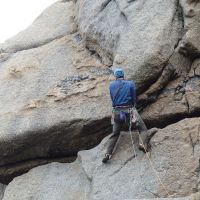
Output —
<point x="169" y="71"/>
<point x="195" y="142"/>
<point x="10" y="171"/>
<point x="149" y="40"/>
<point x="104" y="5"/>
<point x="122" y="12"/>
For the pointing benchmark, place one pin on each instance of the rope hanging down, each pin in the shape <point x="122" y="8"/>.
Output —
<point x="146" y="153"/>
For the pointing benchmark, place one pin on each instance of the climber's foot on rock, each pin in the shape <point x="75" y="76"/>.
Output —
<point x="106" y="158"/>
<point x="143" y="148"/>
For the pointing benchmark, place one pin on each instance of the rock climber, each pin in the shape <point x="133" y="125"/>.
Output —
<point x="123" y="96"/>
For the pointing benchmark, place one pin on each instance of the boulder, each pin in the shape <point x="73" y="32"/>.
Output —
<point x="190" y="44"/>
<point x="176" y="99"/>
<point x="53" y="95"/>
<point x="171" y="170"/>
<point x="55" y="22"/>
<point x="180" y="99"/>
<point x="10" y="171"/>
<point x="54" y="79"/>
<point x="140" y="36"/>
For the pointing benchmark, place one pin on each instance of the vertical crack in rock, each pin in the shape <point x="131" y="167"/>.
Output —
<point x="193" y="141"/>
<point x="179" y="13"/>
<point x="122" y="12"/>
<point x="88" y="195"/>
<point x="169" y="71"/>
<point x="122" y="166"/>
<point x="97" y="38"/>
<point x="104" y="5"/>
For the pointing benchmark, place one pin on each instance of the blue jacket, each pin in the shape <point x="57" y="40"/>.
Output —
<point x="124" y="96"/>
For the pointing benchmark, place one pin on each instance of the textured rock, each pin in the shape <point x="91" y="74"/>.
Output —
<point x="2" y="189"/>
<point x="176" y="99"/>
<point x="48" y="102"/>
<point x="175" y="156"/>
<point x="181" y="98"/>
<point x="190" y="44"/>
<point x="51" y="94"/>
<point x="77" y="189"/>
<point x="54" y="78"/>
<point x="8" y="172"/>
<point x="154" y="52"/>
<point x="138" y="35"/>
<point x="55" y="22"/>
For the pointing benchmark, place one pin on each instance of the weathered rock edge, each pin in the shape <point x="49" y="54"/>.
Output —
<point x="88" y="178"/>
<point x="8" y="51"/>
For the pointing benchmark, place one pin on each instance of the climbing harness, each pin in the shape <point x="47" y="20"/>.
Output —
<point x="149" y="159"/>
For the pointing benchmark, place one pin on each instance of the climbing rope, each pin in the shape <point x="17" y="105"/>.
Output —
<point x="130" y="126"/>
<point x="146" y="153"/>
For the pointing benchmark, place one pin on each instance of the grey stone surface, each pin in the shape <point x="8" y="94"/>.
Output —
<point x="55" y="22"/>
<point x="54" y="79"/>
<point x="190" y="44"/>
<point x="174" y="157"/>
<point x="48" y="102"/>
<point x="140" y="36"/>
<point x="50" y="182"/>
<point x="51" y="95"/>
<point x="181" y="98"/>
<point x="2" y="189"/>
<point x="10" y="171"/>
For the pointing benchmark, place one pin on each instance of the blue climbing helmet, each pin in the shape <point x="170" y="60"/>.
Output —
<point x="118" y="73"/>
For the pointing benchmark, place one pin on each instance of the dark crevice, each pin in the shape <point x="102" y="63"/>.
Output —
<point x="167" y="62"/>
<point x="169" y="120"/>
<point x="4" y="189"/>
<point x="168" y="72"/>
<point x="153" y="193"/>
<point x="94" y="53"/>
<point x="121" y="12"/>
<point x="121" y="167"/>
<point x="130" y="1"/>
<point x="104" y="5"/>
<point x="187" y="104"/>
<point x="188" y="50"/>
<point x="63" y="143"/>
<point x="179" y="13"/>
<point x="10" y="171"/>
<point x="194" y="142"/>
<point x="164" y="121"/>
<point x="124" y="16"/>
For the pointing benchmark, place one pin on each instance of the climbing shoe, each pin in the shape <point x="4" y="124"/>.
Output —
<point x="146" y="146"/>
<point x="106" y="158"/>
<point x="143" y="148"/>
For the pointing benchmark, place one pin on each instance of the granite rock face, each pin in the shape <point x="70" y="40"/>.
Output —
<point x="176" y="94"/>
<point x="174" y="157"/>
<point x="54" y="79"/>
<point x="54" y="23"/>
<point x="138" y="35"/>
<point x="2" y="189"/>
<point x="51" y="91"/>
